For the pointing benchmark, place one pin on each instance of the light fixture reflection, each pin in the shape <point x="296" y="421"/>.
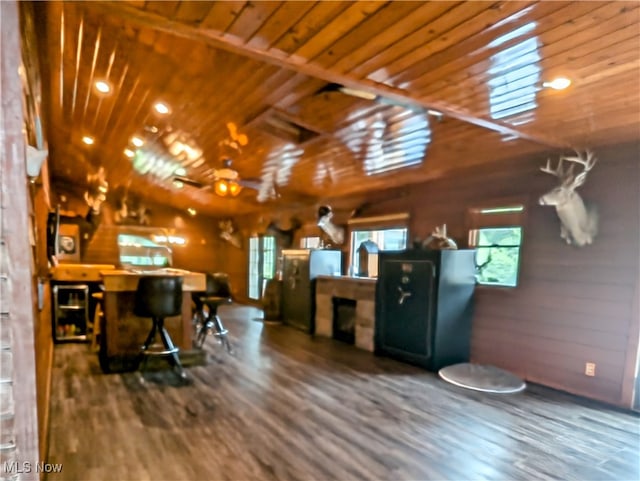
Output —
<point x="138" y="142"/>
<point x="224" y="187"/>
<point x="87" y="140"/>
<point x="192" y="212"/>
<point x="129" y="153"/>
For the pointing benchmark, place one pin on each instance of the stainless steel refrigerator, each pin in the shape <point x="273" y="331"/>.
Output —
<point x="300" y="267"/>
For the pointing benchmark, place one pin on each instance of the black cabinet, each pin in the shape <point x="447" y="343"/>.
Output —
<point x="424" y="302"/>
<point x="300" y="267"/>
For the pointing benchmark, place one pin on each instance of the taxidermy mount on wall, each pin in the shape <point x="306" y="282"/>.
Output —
<point x="230" y="233"/>
<point x="334" y="232"/>
<point x="578" y="223"/>
<point x="284" y="237"/>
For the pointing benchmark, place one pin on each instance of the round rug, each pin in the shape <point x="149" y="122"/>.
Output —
<point x="482" y="378"/>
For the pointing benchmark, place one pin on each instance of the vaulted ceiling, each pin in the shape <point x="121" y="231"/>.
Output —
<point x="450" y="85"/>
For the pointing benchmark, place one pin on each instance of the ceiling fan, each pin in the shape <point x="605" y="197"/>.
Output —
<point x="226" y="181"/>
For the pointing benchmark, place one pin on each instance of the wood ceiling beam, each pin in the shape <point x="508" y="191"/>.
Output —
<point x="218" y="40"/>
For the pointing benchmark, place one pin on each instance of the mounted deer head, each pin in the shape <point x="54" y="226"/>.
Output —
<point x="579" y="224"/>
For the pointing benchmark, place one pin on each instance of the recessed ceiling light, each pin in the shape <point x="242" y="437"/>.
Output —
<point x="161" y="108"/>
<point x="180" y="171"/>
<point x="192" y="211"/>
<point x="129" y="153"/>
<point x="87" y="140"/>
<point x="559" y="83"/>
<point x="137" y="141"/>
<point x="103" y="87"/>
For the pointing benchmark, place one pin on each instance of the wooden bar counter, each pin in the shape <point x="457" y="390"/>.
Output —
<point x="122" y="332"/>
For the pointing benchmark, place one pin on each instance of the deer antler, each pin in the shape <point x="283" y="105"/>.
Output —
<point x="587" y="163"/>
<point x="558" y="171"/>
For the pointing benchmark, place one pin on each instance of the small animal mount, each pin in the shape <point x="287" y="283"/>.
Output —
<point x="579" y="224"/>
<point x="284" y="237"/>
<point x="97" y="187"/>
<point x="229" y="233"/>
<point x="335" y="233"/>
<point x="130" y="210"/>
<point x="438" y="240"/>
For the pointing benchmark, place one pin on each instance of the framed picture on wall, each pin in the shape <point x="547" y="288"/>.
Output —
<point x="69" y="243"/>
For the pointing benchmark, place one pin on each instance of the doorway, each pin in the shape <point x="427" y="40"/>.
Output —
<point x="262" y="264"/>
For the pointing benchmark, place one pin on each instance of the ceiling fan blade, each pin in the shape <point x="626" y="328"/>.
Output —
<point x="251" y="183"/>
<point x="188" y="181"/>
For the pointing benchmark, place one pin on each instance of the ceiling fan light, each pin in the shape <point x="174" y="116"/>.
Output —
<point x="234" y="188"/>
<point x="221" y="187"/>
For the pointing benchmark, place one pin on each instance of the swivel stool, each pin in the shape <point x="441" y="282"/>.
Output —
<point x="218" y="293"/>
<point x="159" y="297"/>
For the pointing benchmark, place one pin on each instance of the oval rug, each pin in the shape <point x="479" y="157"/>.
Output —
<point x="482" y="378"/>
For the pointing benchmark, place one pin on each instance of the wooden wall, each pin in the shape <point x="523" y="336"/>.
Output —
<point x="18" y="396"/>
<point x="573" y="305"/>
<point x="205" y="251"/>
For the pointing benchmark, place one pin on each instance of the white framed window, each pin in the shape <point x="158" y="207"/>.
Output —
<point x="497" y="255"/>
<point x="393" y="239"/>
<point x="310" y="242"/>
<point x="262" y="263"/>
<point x="496" y="234"/>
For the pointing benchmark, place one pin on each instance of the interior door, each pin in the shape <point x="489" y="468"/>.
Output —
<point x="407" y="298"/>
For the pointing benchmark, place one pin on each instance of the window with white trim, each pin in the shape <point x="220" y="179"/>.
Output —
<point x="497" y="239"/>
<point x="310" y="242"/>
<point x="386" y="239"/>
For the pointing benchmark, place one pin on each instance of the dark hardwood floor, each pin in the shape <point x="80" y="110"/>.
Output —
<point x="286" y="406"/>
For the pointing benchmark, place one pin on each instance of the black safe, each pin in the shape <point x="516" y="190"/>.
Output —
<point x="300" y="267"/>
<point x="424" y="306"/>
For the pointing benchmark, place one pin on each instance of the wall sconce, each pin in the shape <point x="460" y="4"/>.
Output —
<point x="224" y="187"/>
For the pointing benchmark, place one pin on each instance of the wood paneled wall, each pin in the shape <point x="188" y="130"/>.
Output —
<point x="43" y="326"/>
<point x="204" y="251"/>
<point x="18" y="396"/>
<point x="572" y="305"/>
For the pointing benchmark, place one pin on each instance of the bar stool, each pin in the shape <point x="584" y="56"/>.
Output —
<point x="159" y="297"/>
<point x="218" y="293"/>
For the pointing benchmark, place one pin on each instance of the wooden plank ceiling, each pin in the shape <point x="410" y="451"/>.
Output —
<point x="455" y="84"/>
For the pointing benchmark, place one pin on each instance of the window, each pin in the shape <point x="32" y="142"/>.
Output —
<point x="140" y="251"/>
<point x="262" y="263"/>
<point x="497" y="255"/>
<point x="386" y="239"/>
<point x="496" y="234"/>
<point x="310" y="242"/>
